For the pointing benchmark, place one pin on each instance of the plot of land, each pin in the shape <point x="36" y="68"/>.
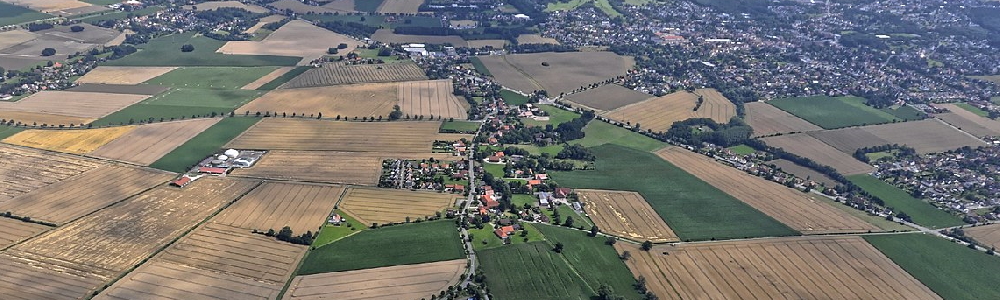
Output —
<point x="123" y="75"/>
<point x="70" y="141"/>
<point x="949" y="269"/>
<point x="535" y="39"/>
<point x="386" y="35"/>
<point x="608" y="97"/>
<point x="564" y="71"/>
<point x="809" y="147"/>
<point x="315" y="135"/>
<point x="278" y="73"/>
<point x="29" y="279"/>
<point x="431" y="98"/>
<point x="926" y="136"/>
<point x="24" y="170"/>
<point x="296" y="38"/>
<point x="333" y="74"/>
<point x="12" y="14"/>
<point x="797" y="210"/>
<point x="660" y="113"/>
<point x="392" y="206"/>
<point x="341" y="6"/>
<point x="424" y="242"/>
<point x="361" y="168"/>
<point x="397" y="282"/>
<point x="49" y="5"/>
<point x="803" y="172"/>
<point x="14" y="231"/>
<point x="833" y="112"/>
<point x="273" y="205"/>
<point x="356" y="100"/>
<point x="211" y="77"/>
<point x="148" y="143"/>
<point x="400" y="6"/>
<point x="237" y="252"/>
<point x="968" y="121"/>
<point x="767" y="120"/>
<point x="73" y="104"/>
<point x="988" y="235"/>
<point x="625" y="214"/>
<point x="14" y="37"/>
<point x="212" y="5"/>
<point x="165" y="51"/>
<point x="160" y="279"/>
<point x="785" y="268"/>
<point x="135" y="89"/>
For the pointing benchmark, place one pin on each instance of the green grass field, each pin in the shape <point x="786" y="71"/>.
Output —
<point x="921" y="212"/>
<point x="564" y="5"/>
<point x="101" y="2"/>
<point x="492" y="241"/>
<point x="694" y="209"/>
<point x="520" y="199"/>
<point x="596" y="262"/>
<point x="331" y="233"/>
<point x="995" y="100"/>
<point x="166" y="51"/>
<point x="274" y="84"/>
<point x="495" y="169"/>
<point x="951" y="270"/>
<point x="181" y="102"/>
<point x="389" y="246"/>
<point x="211" y="77"/>
<point x="7" y="131"/>
<point x="204" y="144"/>
<point x="600" y="133"/>
<point x="12" y="14"/>
<point x="742" y="149"/>
<point x="367" y="5"/>
<point x="905" y="112"/>
<point x="833" y="112"/>
<point x="512" y="98"/>
<point x="531" y="271"/>
<point x="117" y="15"/>
<point x="605" y="6"/>
<point x="556" y="116"/>
<point x="459" y="126"/>
<point x="550" y="149"/>
<point x="480" y="67"/>
<point x="973" y="109"/>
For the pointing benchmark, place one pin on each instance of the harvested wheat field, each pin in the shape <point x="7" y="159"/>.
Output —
<point x="334" y="74"/>
<point x="123" y="75"/>
<point x="607" y="97"/>
<point x="49" y="5"/>
<point x="625" y="214"/>
<point x="799" y="211"/>
<point x="386" y="283"/>
<point x="535" y="39"/>
<point x="26" y="279"/>
<point x="24" y="170"/>
<point x="70" y="141"/>
<point x="660" y="113"/>
<point x="348" y="101"/>
<point x="317" y="135"/>
<point x="296" y="38"/>
<point x="159" y="279"/>
<point x="14" y="231"/>
<point x="968" y="121"/>
<point x="212" y="5"/>
<point x="363" y="168"/>
<point x="148" y="143"/>
<point x="497" y="44"/>
<point x="809" y="147"/>
<point x="273" y="205"/>
<point x="768" y="120"/>
<point x="15" y="37"/>
<point x="393" y="206"/>
<point x="73" y="104"/>
<point x="555" y="72"/>
<point x="37" y="119"/>
<point x="67" y="200"/>
<point x="263" y="21"/>
<point x="400" y="6"/>
<point x="117" y="238"/>
<point x="238" y="252"/>
<point x="431" y="98"/>
<point x="778" y="268"/>
<point x="988" y="234"/>
<point x="256" y="84"/>
<point x="926" y="136"/>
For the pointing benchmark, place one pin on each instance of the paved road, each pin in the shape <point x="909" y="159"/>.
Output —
<point x="473" y="261"/>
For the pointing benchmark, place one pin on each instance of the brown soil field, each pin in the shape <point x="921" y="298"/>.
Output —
<point x="297" y="38"/>
<point x="267" y="78"/>
<point x="660" y="113"/>
<point x="14" y="231"/>
<point x="26" y="279"/>
<point x="116" y="239"/>
<point x="386" y="283"/>
<point x="49" y="5"/>
<point x="299" y="7"/>
<point x="212" y="5"/>
<point x="24" y="170"/>
<point x="625" y="214"/>
<point x="159" y="279"/>
<point x="123" y="75"/>
<point x="565" y="71"/>
<point x="387" y="36"/>
<point x="809" y="147"/>
<point x="391" y="206"/>
<point x="273" y="205"/>
<point x="317" y="135"/>
<point x="535" y="39"/>
<point x="608" y="97"/>
<point x="969" y="122"/>
<point x="135" y="89"/>
<point x="497" y="44"/>
<point x="67" y="200"/>
<point x="340" y="5"/>
<point x="355" y="100"/>
<point x="799" y="211"/>
<point x="148" y="143"/>
<point x="767" y="120"/>
<point x="988" y="234"/>
<point x="73" y="104"/>
<point x="400" y="7"/>
<point x="334" y="74"/>
<point x="14" y="37"/>
<point x="30" y="118"/>
<point x="803" y="172"/>
<point x="926" y="136"/>
<point x="238" y="252"/>
<point x="71" y="141"/>
<point x="780" y="268"/>
<point x="362" y="168"/>
<point x="431" y="98"/>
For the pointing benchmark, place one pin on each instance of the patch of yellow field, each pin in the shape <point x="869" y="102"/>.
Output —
<point x="69" y="141"/>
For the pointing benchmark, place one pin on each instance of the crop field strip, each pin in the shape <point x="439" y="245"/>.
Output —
<point x="133" y="89"/>
<point x="123" y="75"/>
<point x="159" y="279"/>
<point x="926" y="136"/>
<point x="786" y="205"/>
<point x="809" y="147"/>
<point x="24" y="170"/>
<point x="14" y="231"/>
<point x="67" y="200"/>
<point x="273" y="205"/>
<point x="608" y="97"/>
<point x="625" y="214"/>
<point x="660" y="113"/>
<point x="32" y="118"/>
<point x="988" y="235"/>
<point x="348" y="101"/>
<point x="297" y="38"/>
<point x="73" y="104"/>
<point x="391" y="206"/>
<point x="399" y="6"/>
<point x="267" y="78"/>
<point x="563" y="72"/>
<point x="362" y="168"/>
<point x="148" y="143"/>
<point x="25" y="279"/>
<point x="969" y="122"/>
<point x="237" y="252"/>
<point x="386" y="283"/>
<point x="780" y="268"/>
<point x="317" y="135"/>
<point x="767" y="120"/>
<point x="334" y="74"/>
<point x="211" y="77"/>
<point x="69" y="141"/>
<point x="431" y="98"/>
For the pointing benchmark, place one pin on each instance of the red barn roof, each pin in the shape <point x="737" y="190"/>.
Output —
<point x="212" y="170"/>
<point x="181" y="182"/>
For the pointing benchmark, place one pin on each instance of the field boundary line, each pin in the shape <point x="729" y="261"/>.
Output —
<point x="523" y="73"/>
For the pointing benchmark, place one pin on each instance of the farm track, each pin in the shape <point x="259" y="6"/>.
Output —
<point x="625" y="214"/>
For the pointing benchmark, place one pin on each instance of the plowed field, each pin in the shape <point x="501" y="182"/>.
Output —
<point x="315" y="135"/>
<point x="391" y="206"/>
<point x="149" y="142"/>
<point x="386" y="283"/>
<point x="625" y="214"/>
<point x="431" y="98"/>
<point x="273" y="205"/>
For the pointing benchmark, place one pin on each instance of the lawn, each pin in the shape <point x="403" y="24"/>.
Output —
<point x="694" y="209"/>
<point x="600" y="133"/>
<point x="531" y="271"/>
<point x="519" y="200"/>
<point x="479" y="236"/>
<point x="367" y="5"/>
<point x="742" y="149"/>
<point x="494" y="169"/>
<point x="274" y="84"/>
<point x="512" y="98"/>
<point x="7" y="131"/>
<point x="460" y="126"/>
<point x="556" y="116"/>
<point x="211" y="77"/>
<point x="596" y="262"/>
<point x="973" y="109"/>
<point x="332" y="233"/>
<point x="204" y="144"/>
<point x="388" y="246"/>
<point x="833" y="112"/>
<point x="951" y="270"/>
<point x="921" y="212"/>
<point x="551" y="149"/>
<point x="480" y="67"/>
<point x="12" y="14"/>
<point x="166" y="51"/>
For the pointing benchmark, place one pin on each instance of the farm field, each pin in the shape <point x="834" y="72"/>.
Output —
<point x="147" y="143"/>
<point x="550" y="276"/>
<point x="459" y="126"/>
<point x="596" y="262"/>
<point x="921" y="212"/>
<point x="797" y="268"/>
<point x="12" y="14"/>
<point x="968" y="121"/>
<point x="497" y="44"/>
<point x="317" y="166"/>
<point x="211" y="77"/>
<point x="205" y="143"/>
<point x="660" y="113"/>
<point x="25" y="170"/>
<point x="212" y="5"/>
<point x="799" y="211"/>
<point x="273" y="205"/>
<point x="295" y="39"/>
<point x="31" y="279"/>
<point x="384" y="206"/>
<point x="356" y="100"/>
<point x="926" y="136"/>
<point x="988" y="235"/>
<point x="302" y="8"/>
<point x="274" y="75"/>
<point x="73" y="104"/>
<point x="803" y="172"/>
<point x="425" y="242"/>
<point x="236" y="252"/>
<point x="566" y="71"/>
<point x="535" y="39"/>
<point x="431" y="98"/>
<point x="809" y="147"/>
<point x="399" y="6"/>
<point x="133" y="89"/>
<point x="334" y="74"/>
<point x="768" y="120"/>
<point x="145" y="223"/>
<point x="14" y="231"/>
<point x="159" y="279"/>
<point x="386" y="35"/>
<point x="280" y="80"/>
<point x="11" y="38"/>
<point x="70" y="141"/>
<point x="833" y="112"/>
<point x="164" y="51"/>
<point x="56" y="6"/>
<point x="123" y="75"/>
<point x="625" y="214"/>
<point x="600" y="133"/>
<point x="556" y="116"/>
<point x="951" y="270"/>
<point x="180" y="103"/>
<point x="608" y="97"/>
<point x="386" y="283"/>
<point x="7" y="131"/>
<point x="687" y="204"/>
<point x="315" y="135"/>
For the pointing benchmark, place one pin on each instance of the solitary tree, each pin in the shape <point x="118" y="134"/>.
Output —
<point x="593" y="231"/>
<point x="187" y="48"/>
<point x="77" y="28"/>
<point x="48" y="52"/>
<point x="558" y="248"/>
<point x="647" y="245"/>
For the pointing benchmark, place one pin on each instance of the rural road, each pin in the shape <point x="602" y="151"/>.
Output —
<point x="472" y="194"/>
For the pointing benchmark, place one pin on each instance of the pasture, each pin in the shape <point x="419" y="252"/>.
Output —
<point x="273" y="205"/>
<point x="690" y="206"/>
<point x="431" y="98"/>
<point x="798" y="210"/>
<point x="660" y="113"/>
<point x="123" y="75"/>
<point x="14" y="231"/>
<point x="968" y="121"/>
<point x="600" y="133"/>
<point x="625" y="214"/>
<point x="334" y="74"/>
<point x="73" y="104"/>
<point x="69" y="141"/>
<point x="833" y="112"/>
<point x="211" y="77"/>
<point x="166" y="51"/>
<point x="297" y="38"/>
<point x="809" y="147"/>
<point x="147" y="143"/>
<point x="180" y="103"/>
<point x="386" y="283"/>
<point x="926" y="136"/>
<point x="555" y="116"/>
<point x="768" y="120"/>
<point x="25" y="170"/>
<point x="385" y="206"/>
<point x="607" y="97"/>
<point x="355" y="100"/>
<point x="314" y="135"/>
<point x="562" y="72"/>
<point x="12" y="14"/>
<point x="988" y="235"/>
<point x="951" y="270"/>
<point x="205" y="143"/>
<point x="417" y="244"/>
<point x="921" y="212"/>
<point x="797" y="268"/>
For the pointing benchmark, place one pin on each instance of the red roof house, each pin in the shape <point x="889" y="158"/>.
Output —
<point x="504" y="232"/>
<point x="182" y="182"/>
